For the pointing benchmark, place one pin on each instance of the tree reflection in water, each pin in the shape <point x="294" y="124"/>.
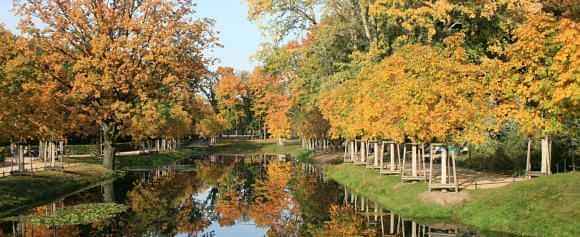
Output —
<point x="205" y="196"/>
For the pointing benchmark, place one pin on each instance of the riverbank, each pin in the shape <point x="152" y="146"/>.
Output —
<point x="244" y="147"/>
<point x="21" y="191"/>
<point x="546" y="206"/>
<point x="155" y="159"/>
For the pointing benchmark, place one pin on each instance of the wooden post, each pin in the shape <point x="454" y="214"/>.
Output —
<point x="382" y="152"/>
<point x="529" y="159"/>
<point x="549" y="141"/>
<point x="345" y="151"/>
<point x="392" y="157"/>
<point x="356" y="151"/>
<point x="443" y="165"/>
<point x="404" y="159"/>
<point x="52" y="154"/>
<point x="377" y="154"/>
<point x="363" y="151"/>
<point x="352" y="150"/>
<point x="382" y="160"/>
<point x="545" y="168"/>
<point x="454" y="172"/>
<point x="392" y="223"/>
<point x="20" y="153"/>
<point x="414" y="160"/>
<point x="431" y="157"/>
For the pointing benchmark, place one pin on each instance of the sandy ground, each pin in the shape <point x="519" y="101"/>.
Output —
<point x="328" y="158"/>
<point x="444" y="199"/>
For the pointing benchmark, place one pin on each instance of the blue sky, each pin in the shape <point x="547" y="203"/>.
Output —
<point x="240" y="37"/>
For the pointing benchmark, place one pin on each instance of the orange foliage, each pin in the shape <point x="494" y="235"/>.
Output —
<point x="271" y="101"/>
<point x="113" y="66"/>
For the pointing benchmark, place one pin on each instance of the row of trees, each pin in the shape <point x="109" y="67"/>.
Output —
<point x="120" y="68"/>
<point x="457" y="72"/>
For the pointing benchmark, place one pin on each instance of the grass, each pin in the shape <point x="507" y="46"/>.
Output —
<point x="546" y="206"/>
<point x="22" y="191"/>
<point x="153" y="160"/>
<point x="252" y="147"/>
<point x="305" y="157"/>
<point x="388" y="191"/>
<point x="18" y="192"/>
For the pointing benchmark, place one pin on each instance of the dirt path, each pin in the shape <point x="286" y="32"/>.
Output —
<point x="328" y="158"/>
<point x="466" y="178"/>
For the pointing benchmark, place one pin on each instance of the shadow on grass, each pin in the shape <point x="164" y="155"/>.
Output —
<point x="21" y="191"/>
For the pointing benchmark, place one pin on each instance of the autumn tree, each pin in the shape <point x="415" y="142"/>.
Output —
<point x="232" y="96"/>
<point x="110" y="60"/>
<point x="32" y="111"/>
<point x="272" y="102"/>
<point x="211" y="125"/>
<point x="538" y="77"/>
<point x="284" y="17"/>
<point x="456" y="72"/>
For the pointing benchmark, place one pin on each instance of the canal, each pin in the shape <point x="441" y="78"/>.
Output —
<point x="234" y="196"/>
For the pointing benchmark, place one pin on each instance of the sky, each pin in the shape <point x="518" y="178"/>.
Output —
<point x="239" y="36"/>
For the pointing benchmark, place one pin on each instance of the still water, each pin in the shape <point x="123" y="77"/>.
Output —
<point x="222" y="196"/>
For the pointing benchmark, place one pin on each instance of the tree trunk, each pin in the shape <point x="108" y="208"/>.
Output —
<point x="363" y="151"/>
<point x="377" y="154"/>
<point x="109" y="192"/>
<point x="108" y="149"/>
<point x="363" y="14"/>
<point x="100" y="144"/>
<point x="40" y="150"/>
<point x="444" y="165"/>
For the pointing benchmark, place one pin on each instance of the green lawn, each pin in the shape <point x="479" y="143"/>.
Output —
<point x="546" y="206"/>
<point x="22" y="191"/>
<point x="153" y="160"/>
<point x="252" y="147"/>
<point x="388" y="191"/>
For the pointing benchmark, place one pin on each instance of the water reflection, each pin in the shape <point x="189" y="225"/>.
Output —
<point x="230" y="196"/>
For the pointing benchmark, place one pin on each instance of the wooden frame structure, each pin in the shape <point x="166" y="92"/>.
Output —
<point x="377" y="153"/>
<point x="448" y="169"/>
<point x="17" y="152"/>
<point x="393" y="167"/>
<point x="394" y="225"/>
<point x="56" y="153"/>
<point x="417" y="170"/>
<point x="442" y="232"/>
<point x="545" y="160"/>
<point x="360" y="151"/>
<point x="348" y="151"/>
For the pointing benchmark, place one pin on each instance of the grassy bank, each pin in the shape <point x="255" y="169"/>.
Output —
<point x="252" y="147"/>
<point x="547" y="206"/>
<point x="389" y="191"/>
<point x="21" y="191"/>
<point x="154" y="160"/>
